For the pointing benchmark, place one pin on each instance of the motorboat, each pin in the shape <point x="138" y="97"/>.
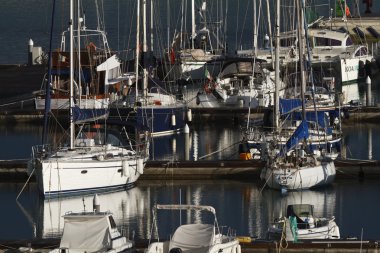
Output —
<point x="301" y="224"/>
<point x="93" y="231"/>
<point x="196" y="237"/>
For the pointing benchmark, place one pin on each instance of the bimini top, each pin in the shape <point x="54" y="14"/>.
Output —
<point x="186" y="207"/>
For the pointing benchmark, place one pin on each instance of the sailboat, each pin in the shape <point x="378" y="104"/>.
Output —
<point x="295" y="167"/>
<point x="151" y="102"/>
<point x="203" y="51"/>
<point x="95" y="158"/>
<point x="96" y="81"/>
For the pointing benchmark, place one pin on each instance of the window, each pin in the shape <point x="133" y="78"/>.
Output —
<point x="326" y="42"/>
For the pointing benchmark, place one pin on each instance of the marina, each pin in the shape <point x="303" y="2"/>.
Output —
<point x="190" y="126"/>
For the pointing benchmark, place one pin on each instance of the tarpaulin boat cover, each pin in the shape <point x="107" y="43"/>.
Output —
<point x="86" y="234"/>
<point x="302" y="132"/>
<point x="193" y="236"/>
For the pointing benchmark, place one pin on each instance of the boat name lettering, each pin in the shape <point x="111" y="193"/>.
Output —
<point x="351" y="68"/>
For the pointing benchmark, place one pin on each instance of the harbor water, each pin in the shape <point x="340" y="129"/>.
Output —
<point x="240" y="204"/>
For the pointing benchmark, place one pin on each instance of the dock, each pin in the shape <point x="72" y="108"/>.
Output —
<point x="255" y="246"/>
<point x="15" y="170"/>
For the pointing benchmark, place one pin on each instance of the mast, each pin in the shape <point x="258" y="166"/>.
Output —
<point x="151" y="25"/>
<point x="277" y="67"/>
<point x="301" y="43"/>
<point x="145" y="49"/>
<point x="71" y="24"/>
<point x="255" y="26"/>
<point x="192" y="23"/>
<point x="47" y="88"/>
<point x="137" y="48"/>
<point x="269" y="30"/>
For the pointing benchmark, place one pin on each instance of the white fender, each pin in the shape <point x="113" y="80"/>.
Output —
<point x="140" y="165"/>
<point x="189" y="115"/>
<point x="126" y="172"/>
<point x="173" y="120"/>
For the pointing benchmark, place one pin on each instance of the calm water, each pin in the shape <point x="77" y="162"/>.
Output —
<point x="239" y="204"/>
<point x="208" y="139"/>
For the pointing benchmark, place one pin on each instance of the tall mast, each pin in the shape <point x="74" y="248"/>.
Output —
<point x="145" y="49"/>
<point x="277" y="68"/>
<point x="255" y="26"/>
<point x="301" y="55"/>
<point x="151" y="25"/>
<point x="192" y="23"/>
<point x="137" y="47"/>
<point x="71" y="24"/>
<point x="269" y="29"/>
<point x="47" y="88"/>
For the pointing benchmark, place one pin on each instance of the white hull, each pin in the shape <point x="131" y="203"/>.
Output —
<point x="290" y="178"/>
<point x="329" y="231"/>
<point x="227" y="247"/>
<point x="63" y="103"/>
<point x="349" y="70"/>
<point x="196" y="70"/>
<point x="88" y="169"/>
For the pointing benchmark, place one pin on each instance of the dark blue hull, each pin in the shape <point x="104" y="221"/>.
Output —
<point x="161" y="120"/>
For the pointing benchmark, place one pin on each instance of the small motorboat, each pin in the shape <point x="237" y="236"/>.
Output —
<point x="196" y="238"/>
<point x="92" y="232"/>
<point x="300" y="224"/>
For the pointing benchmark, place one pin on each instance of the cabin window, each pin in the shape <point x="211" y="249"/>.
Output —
<point x="287" y="42"/>
<point x="362" y="51"/>
<point x="112" y="222"/>
<point x="349" y="42"/>
<point x="325" y="42"/>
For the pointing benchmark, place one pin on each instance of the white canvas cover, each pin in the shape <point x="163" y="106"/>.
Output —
<point x="193" y="236"/>
<point x="86" y="234"/>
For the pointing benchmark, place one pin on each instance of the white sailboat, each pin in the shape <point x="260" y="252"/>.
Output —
<point x="295" y="167"/>
<point x="94" y="159"/>
<point x="197" y="237"/>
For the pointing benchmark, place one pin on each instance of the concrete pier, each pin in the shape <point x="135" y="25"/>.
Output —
<point x="256" y="246"/>
<point x="15" y="170"/>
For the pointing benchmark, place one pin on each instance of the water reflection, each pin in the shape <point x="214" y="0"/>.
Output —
<point x="239" y="205"/>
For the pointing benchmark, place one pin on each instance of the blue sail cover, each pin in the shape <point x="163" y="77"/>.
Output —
<point x="318" y="117"/>
<point x="88" y="115"/>
<point x="288" y="105"/>
<point x="302" y="132"/>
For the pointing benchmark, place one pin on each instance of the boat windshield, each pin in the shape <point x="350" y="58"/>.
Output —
<point x="301" y="210"/>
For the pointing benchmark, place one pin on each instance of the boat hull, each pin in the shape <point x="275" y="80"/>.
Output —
<point x="328" y="231"/>
<point x="75" y="172"/>
<point x="291" y="178"/>
<point x="162" y="120"/>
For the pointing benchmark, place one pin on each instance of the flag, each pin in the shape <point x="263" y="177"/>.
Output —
<point x="207" y="74"/>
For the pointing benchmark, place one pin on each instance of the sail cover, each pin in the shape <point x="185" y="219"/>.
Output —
<point x="88" y="115"/>
<point x="301" y="133"/>
<point x="86" y="234"/>
<point x="288" y="105"/>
